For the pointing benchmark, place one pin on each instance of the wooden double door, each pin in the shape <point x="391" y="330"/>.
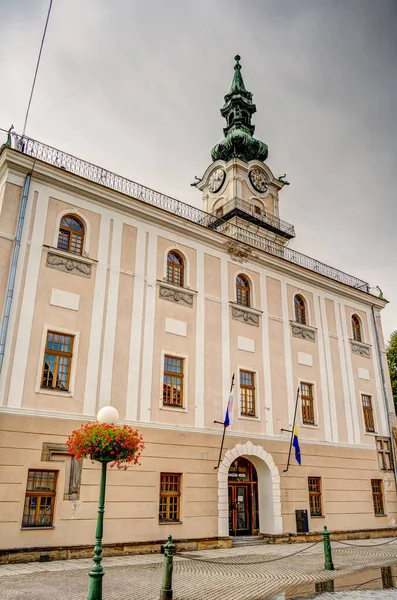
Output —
<point x="243" y="498"/>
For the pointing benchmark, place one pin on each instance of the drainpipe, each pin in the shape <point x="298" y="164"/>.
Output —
<point x="385" y="394"/>
<point x="13" y="271"/>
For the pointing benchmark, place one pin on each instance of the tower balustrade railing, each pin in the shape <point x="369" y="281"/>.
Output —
<point x="86" y="170"/>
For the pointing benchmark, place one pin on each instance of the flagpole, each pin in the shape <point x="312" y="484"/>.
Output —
<point x="292" y="432"/>
<point x="224" y="430"/>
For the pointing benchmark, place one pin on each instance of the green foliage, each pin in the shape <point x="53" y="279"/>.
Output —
<point x="391" y="351"/>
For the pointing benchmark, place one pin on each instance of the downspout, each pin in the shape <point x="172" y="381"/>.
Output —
<point x="385" y="394"/>
<point x="13" y="271"/>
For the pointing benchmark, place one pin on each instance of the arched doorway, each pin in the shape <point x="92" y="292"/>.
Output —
<point x="243" y="498"/>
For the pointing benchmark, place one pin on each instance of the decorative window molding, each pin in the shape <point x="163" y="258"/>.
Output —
<point x="250" y="316"/>
<point x="304" y="332"/>
<point x="68" y="263"/>
<point x="174" y="293"/>
<point x="361" y="348"/>
<point x="54" y="453"/>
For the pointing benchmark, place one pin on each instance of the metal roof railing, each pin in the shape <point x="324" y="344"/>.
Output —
<point x="86" y="170"/>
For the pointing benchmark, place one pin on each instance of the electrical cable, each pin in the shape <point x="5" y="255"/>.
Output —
<point x="37" y="68"/>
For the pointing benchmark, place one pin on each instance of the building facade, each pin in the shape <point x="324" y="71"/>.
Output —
<point x="112" y="293"/>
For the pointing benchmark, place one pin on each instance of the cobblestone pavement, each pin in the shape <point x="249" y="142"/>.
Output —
<point x="250" y="573"/>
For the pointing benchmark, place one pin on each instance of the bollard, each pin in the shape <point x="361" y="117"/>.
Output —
<point x="166" y="586"/>
<point x="329" y="565"/>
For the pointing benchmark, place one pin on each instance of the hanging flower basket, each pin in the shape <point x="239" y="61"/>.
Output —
<point x="120" y="445"/>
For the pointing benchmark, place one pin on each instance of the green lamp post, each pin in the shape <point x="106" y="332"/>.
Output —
<point x="105" y="442"/>
<point x="110" y="415"/>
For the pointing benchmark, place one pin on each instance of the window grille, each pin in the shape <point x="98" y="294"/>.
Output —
<point x="39" y="499"/>
<point x="170" y="495"/>
<point x="377" y="496"/>
<point x="243" y="292"/>
<point x="385" y="458"/>
<point x="300" y="310"/>
<point x="175" y="269"/>
<point x="173" y="381"/>
<point x="71" y="235"/>
<point x="247" y="393"/>
<point x="368" y="413"/>
<point x="356" y="329"/>
<point x="314" y="484"/>
<point x="57" y="361"/>
<point x="307" y="403"/>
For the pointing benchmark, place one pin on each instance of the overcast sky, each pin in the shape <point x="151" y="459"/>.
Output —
<point x="136" y="87"/>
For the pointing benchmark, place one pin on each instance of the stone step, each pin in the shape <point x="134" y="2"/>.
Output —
<point x="245" y="540"/>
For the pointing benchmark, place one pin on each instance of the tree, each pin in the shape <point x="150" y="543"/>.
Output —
<point x="391" y="352"/>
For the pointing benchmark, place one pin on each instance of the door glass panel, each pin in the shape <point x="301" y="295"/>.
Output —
<point x="241" y="507"/>
<point x="231" y="526"/>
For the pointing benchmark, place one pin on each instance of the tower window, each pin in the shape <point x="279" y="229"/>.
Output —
<point x="300" y="310"/>
<point x="175" y="269"/>
<point x="71" y="235"/>
<point x="243" y="291"/>
<point x="356" y="329"/>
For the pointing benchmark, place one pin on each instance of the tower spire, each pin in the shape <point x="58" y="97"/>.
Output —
<point x="238" y="110"/>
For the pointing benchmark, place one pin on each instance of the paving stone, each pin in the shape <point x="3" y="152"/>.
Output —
<point x="246" y="573"/>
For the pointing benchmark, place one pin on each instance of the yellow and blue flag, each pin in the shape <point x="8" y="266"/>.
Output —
<point x="295" y="443"/>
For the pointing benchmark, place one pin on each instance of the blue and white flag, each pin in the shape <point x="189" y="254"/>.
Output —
<point x="229" y="410"/>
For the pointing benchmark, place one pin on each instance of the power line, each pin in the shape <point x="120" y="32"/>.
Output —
<point x="37" y="68"/>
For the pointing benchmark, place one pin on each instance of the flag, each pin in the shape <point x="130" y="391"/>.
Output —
<point x="295" y="443"/>
<point x="229" y="411"/>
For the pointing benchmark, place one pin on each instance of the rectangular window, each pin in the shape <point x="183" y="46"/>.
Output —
<point x="57" y="361"/>
<point x="307" y="403"/>
<point x="368" y="413"/>
<point x="377" y="496"/>
<point x="40" y="499"/>
<point x="314" y="484"/>
<point x="385" y="459"/>
<point x="170" y="496"/>
<point x="247" y="393"/>
<point x="173" y="381"/>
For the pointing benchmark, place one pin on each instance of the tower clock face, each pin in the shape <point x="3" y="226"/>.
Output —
<point x="258" y="180"/>
<point x="216" y="180"/>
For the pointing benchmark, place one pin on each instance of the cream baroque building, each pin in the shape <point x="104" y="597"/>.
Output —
<point x="112" y="293"/>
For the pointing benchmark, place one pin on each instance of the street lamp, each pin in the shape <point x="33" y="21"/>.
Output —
<point x="108" y="415"/>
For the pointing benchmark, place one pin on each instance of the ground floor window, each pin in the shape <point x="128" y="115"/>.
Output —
<point x="40" y="499"/>
<point x="314" y="484"/>
<point x="377" y="496"/>
<point x="170" y="497"/>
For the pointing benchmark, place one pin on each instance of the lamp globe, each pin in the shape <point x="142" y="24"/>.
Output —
<point x="108" y="414"/>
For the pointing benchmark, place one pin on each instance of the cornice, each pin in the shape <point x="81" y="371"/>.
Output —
<point x="44" y="173"/>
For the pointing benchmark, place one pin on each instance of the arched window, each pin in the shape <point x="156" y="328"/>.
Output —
<point x="175" y="268"/>
<point x="71" y="235"/>
<point x="243" y="291"/>
<point x="356" y="328"/>
<point x="300" y="309"/>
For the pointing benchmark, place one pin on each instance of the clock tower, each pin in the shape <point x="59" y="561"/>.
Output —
<point x="238" y="187"/>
